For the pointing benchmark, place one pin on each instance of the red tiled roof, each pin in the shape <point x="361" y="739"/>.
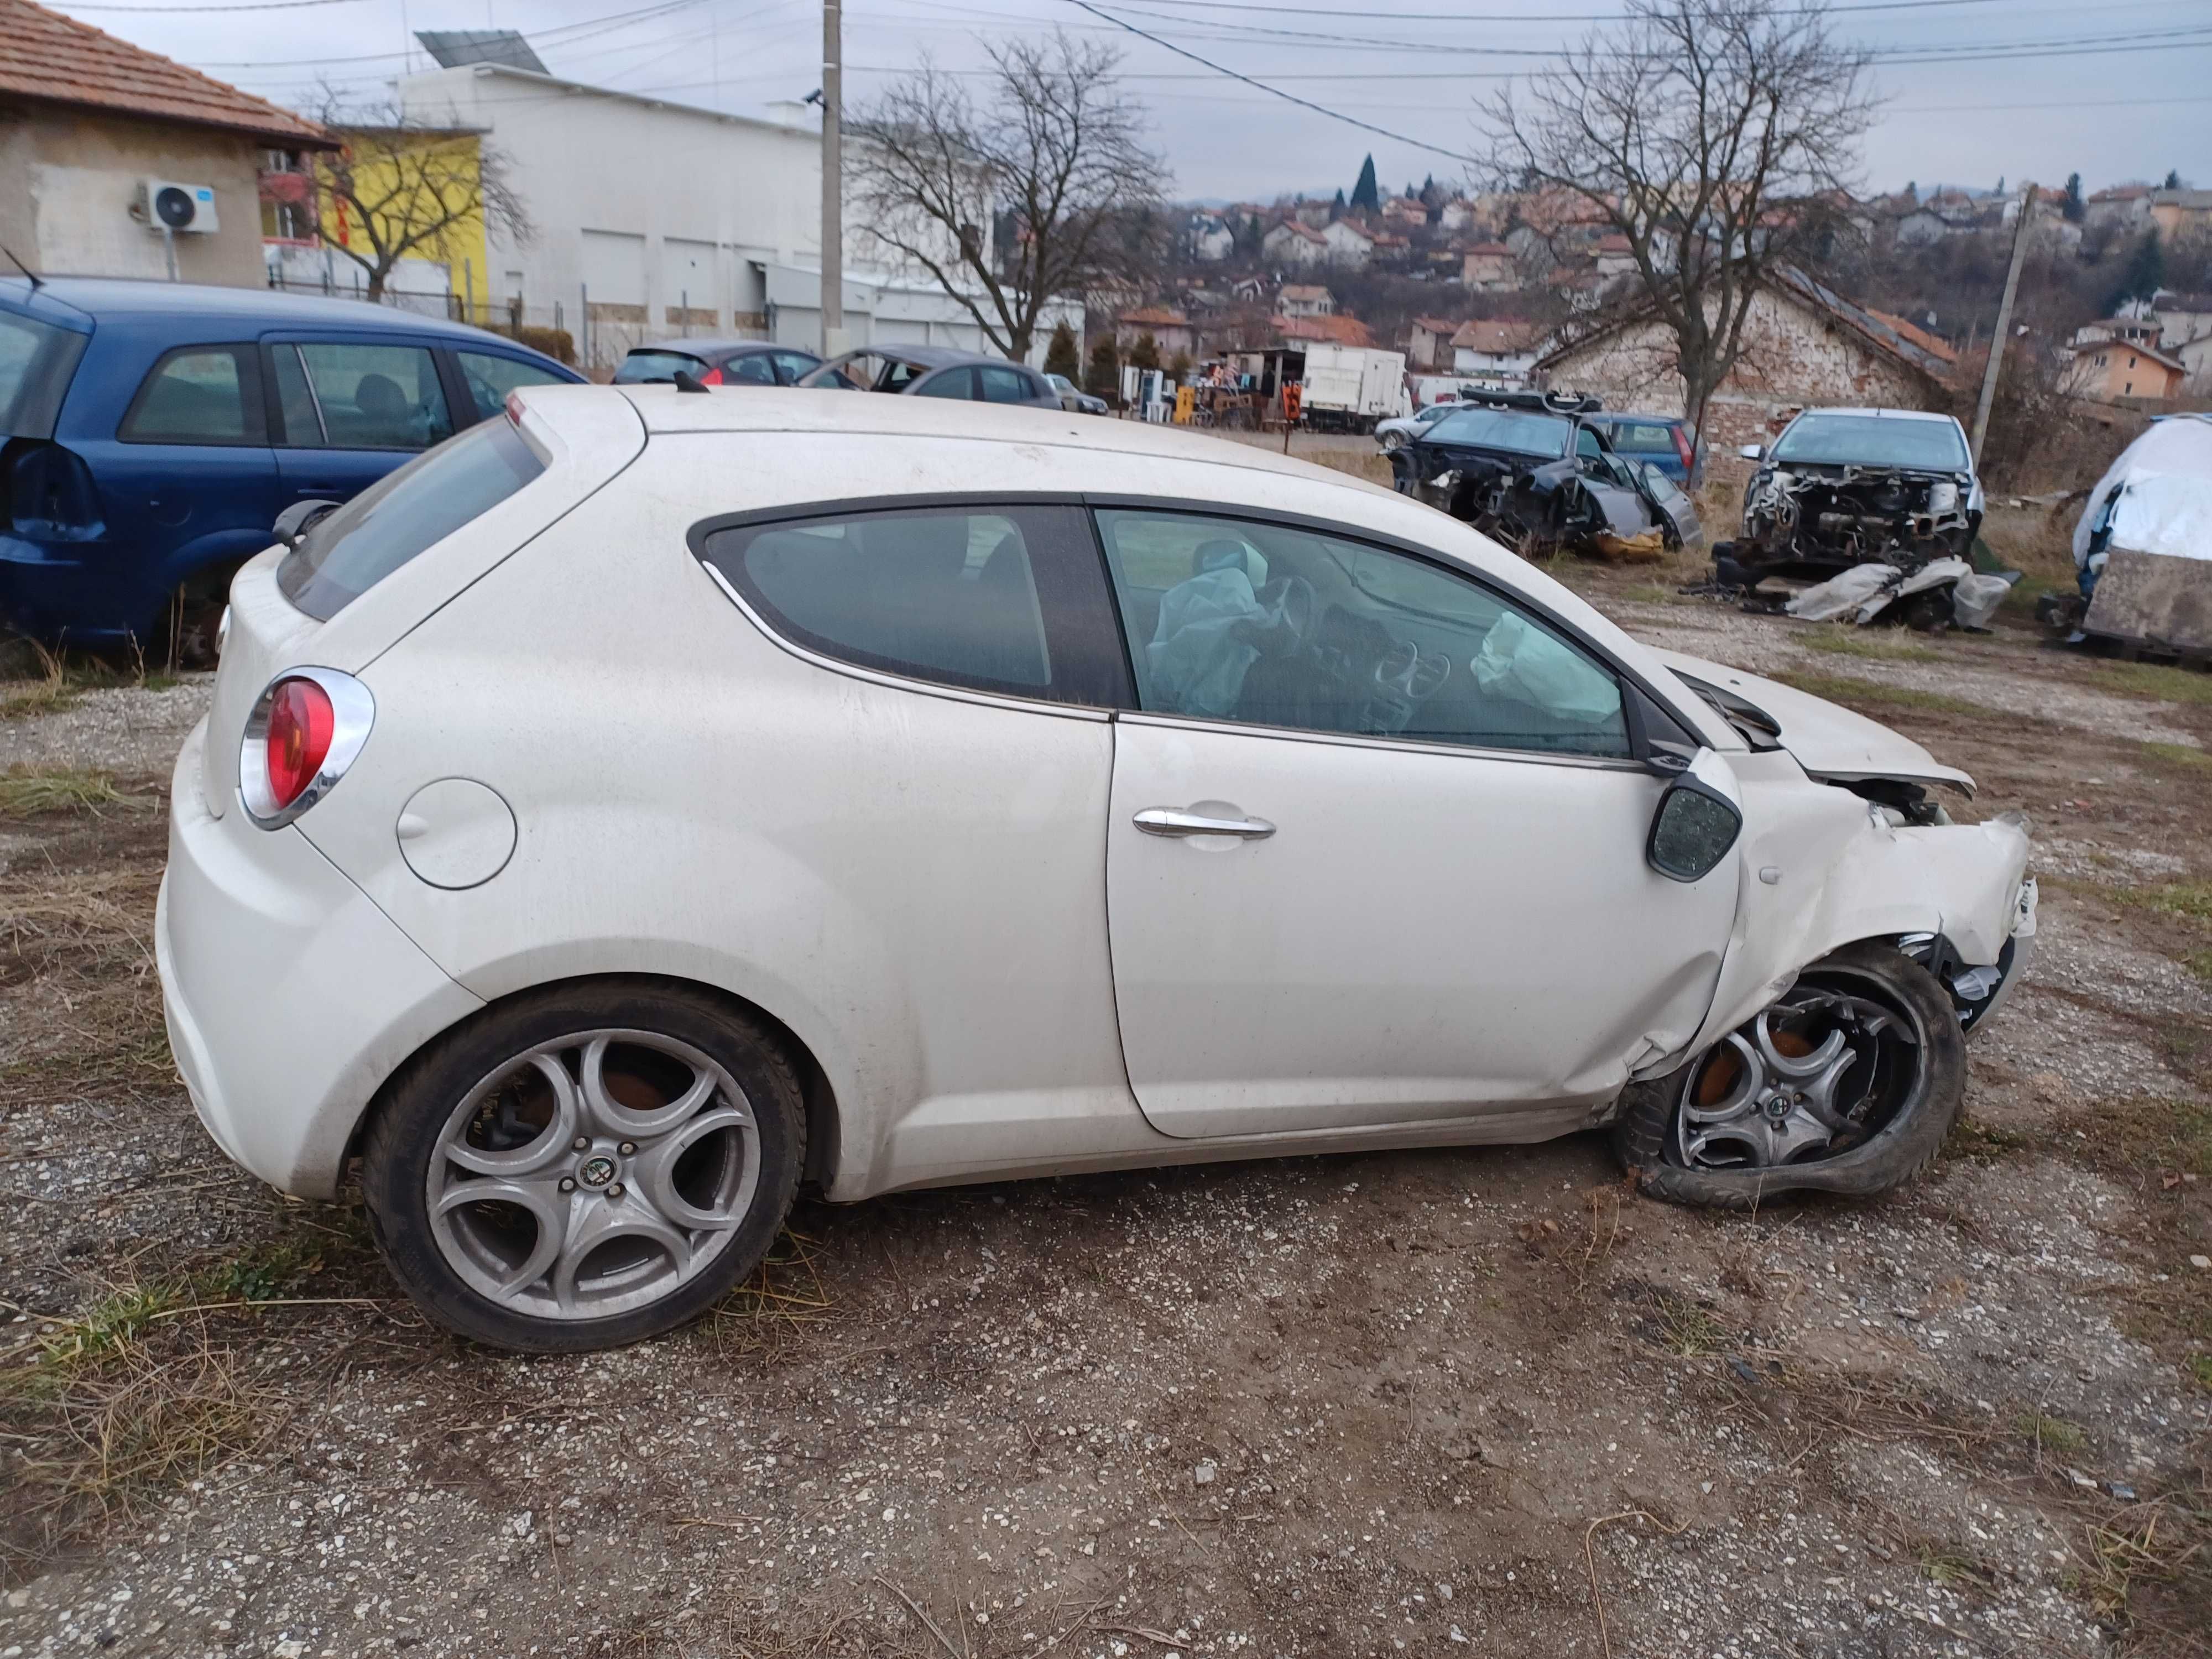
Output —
<point x="1305" y="291"/>
<point x="1434" y="325"/>
<point x="1919" y="335"/>
<point x="1502" y="335"/>
<point x="1491" y="250"/>
<point x="1297" y="230"/>
<point x="1156" y="317"/>
<point x="56" y="59"/>
<point x="1337" y="330"/>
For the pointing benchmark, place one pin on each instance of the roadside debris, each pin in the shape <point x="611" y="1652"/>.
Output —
<point x="1866" y="593"/>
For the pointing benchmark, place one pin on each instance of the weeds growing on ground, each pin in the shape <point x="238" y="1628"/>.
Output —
<point x="27" y="792"/>
<point x="1842" y="642"/>
<point x="2054" y="1435"/>
<point x="2164" y="682"/>
<point x="2175" y="754"/>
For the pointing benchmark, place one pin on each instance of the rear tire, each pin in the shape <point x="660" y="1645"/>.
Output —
<point x="1649" y="1135"/>
<point x="544" y="1219"/>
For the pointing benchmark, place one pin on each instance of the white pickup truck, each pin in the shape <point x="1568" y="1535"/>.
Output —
<point x="1349" y="388"/>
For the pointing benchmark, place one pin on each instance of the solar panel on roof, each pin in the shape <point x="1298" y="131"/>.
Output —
<point x="454" y="48"/>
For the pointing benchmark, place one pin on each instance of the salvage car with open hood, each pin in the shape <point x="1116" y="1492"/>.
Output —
<point x="1851" y="489"/>
<point x="1528" y="470"/>
<point x="653" y="800"/>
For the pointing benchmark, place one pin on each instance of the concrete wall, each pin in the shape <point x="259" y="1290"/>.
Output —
<point x="69" y="179"/>
<point x="1794" y="358"/>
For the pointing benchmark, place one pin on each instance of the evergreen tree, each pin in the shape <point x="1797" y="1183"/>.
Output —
<point x="1252" y="235"/>
<point x="2000" y="183"/>
<point x="1146" y="353"/>
<point x="1179" y="370"/>
<point x="1364" y="195"/>
<point x="1105" y="379"/>
<point x="2144" y="276"/>
<point x="1063" y="356"/>
<point x="2172" y="180"/>
<point x="1336" y="208"/>
<point x="1911" y="190"/>
<point x="2072" y="206"/>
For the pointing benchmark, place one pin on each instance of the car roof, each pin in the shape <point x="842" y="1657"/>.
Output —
<point x="1884" y="414"/>
<point x="98" y="297"/>
<point x="693" y="346"/>
<point x="936" y="356"/>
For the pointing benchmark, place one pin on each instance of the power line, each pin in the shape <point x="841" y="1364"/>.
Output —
<point x="1288" y="97"/>
<point x="256" y="5"/>
<point x="1576" y="16"/>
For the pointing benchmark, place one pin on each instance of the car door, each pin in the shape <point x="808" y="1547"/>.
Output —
<point x="1003" y="383"/>
<point x="353" y="409"/>
<point x="958" y="381"/>
<point x="188" y="480"/>
<point x="1376" y="852"/>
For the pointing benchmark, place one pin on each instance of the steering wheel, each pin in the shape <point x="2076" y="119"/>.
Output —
<point x="1292" y="598"/>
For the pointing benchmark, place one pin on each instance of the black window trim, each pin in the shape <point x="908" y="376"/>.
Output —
<point x="1653" y="715"/>
<point x="909" y="676"/>
<point x="252" y="399"/>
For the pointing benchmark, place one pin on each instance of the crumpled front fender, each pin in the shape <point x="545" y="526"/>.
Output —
<point x="1822" y="868"/>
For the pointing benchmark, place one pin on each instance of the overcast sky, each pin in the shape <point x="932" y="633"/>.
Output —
<point x="1976" y="88"/>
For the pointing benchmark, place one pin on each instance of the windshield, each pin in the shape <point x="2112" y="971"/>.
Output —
<point x="1510" y="429"/>
<point x="640" y="367"/>
<point x="404" y="512"/>
<point x="36" y="361"/>
<point x="1874" y="440"/>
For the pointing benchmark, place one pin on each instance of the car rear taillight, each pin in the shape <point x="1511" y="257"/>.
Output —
<point x="712" y="377"/>
<point x="1682" y="448"/>
<point x="305" y="730"/>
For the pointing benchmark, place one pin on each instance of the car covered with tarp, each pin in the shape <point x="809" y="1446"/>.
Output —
<point x="2142" y="549"/>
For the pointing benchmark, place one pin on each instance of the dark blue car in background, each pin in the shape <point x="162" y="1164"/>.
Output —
<point x="150" y="433"/>
<point x="1662" y="440"/>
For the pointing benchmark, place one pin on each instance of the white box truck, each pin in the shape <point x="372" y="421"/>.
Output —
<point x="1349" y="388"/>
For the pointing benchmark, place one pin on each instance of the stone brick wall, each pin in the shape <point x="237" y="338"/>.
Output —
<point x="1795" y="357"/>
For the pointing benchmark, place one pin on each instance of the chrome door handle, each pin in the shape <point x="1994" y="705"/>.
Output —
<point x="1174" y="820"/>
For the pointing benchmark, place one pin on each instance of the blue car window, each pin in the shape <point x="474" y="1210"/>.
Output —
<point x="204" y="394"/>
<point x="37" y="359"/>
<point x="491" y="377"/>
<point x="752" y="369"/>
<point x="378" y="397"/>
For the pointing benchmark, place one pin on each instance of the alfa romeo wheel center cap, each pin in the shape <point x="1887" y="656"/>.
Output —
<point x="596" y="1172"/>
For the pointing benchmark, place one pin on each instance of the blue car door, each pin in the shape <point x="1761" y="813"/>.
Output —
<point x="187" y="483"/>
<point x="351" y="409"/>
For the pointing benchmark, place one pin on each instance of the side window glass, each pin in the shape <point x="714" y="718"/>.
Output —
<point x="303" y="421"/>
<point x="796" y="363"/>
<point x="491" y="377"/>
<point x="753" y="370"/>
<point x="198" y="395"/>
<point x="1586" y="444"/>
<point x="1006" y="385"/>
<point x="1238" y="620"/>
<point x="952" y="383"/>
<point x="378" y="397"/>
<point x="1004" y="599"/>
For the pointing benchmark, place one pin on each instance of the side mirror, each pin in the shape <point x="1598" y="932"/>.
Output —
<point x="297" y="519"/>
<point x="1693" y="830"/>
<point x="1753" y="452"/>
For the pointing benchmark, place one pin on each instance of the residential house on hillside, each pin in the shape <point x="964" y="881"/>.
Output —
<point x="1615" y="258"/>
<point x="1337" y="331"/>
<point x="1498" y="353"/>
<point x="2114" y="368"/>
<point x="2195" y="357"/>
<point x="1806" y="345"/>
<point x="2181" y="317"/>
<point x="87" y="121"/>
<point x="1404" y="213"/>
<point x="1348" y="245"/>
<point x="1170" y="329"/>
<point x="1305" y="300"/>
<point x="1489" y="268"/>
<point x="2125" y="330"/>
<point x="1455" y="216"/>
<point x="2126" y="206"/>
<point x="1429" y="343"/>
<point x="2181" y="212"/>
<point x="1290" y="243"/>
<point x="1211" y="239"/>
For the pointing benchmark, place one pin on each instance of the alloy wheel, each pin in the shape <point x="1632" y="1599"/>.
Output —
<point x="594" y="1174"/>
<point x="1811" y="1077"/>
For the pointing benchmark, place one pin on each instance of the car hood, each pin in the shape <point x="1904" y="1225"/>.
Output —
<point x="1828" y="740"/>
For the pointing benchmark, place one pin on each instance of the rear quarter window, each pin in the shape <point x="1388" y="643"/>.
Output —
<point x="403" y="513"/>
<point x="37" y="360"/>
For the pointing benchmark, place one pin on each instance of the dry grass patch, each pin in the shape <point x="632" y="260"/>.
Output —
<point x="1840" y="641"/>
<point x="2162" y="682"/>
<point x="30" y="791"/>
<point x="1837" y="688"/>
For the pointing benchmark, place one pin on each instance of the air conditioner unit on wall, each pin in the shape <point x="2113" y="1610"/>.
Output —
<point x="165" y="205"/>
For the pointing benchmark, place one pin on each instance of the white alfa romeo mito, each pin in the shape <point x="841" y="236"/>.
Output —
<point x="648" y="802"/>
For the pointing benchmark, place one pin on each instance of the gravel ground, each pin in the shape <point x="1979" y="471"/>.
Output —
<point x="1483" y="1401"/>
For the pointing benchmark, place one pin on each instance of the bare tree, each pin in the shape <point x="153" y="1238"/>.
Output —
<point x="399" y="187"/>
<point x="1719" y="137"/>
<point x="1053" y="153"/>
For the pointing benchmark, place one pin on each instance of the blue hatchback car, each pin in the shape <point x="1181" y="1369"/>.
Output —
<point x="150" y="433"/>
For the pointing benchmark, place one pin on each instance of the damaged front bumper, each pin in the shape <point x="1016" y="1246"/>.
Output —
<point x="1978" y="992"/>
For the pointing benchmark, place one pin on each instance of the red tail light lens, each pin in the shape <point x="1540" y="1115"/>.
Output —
<point x="301" y="724"/>
<point x="1682" y="448"/>
<point x="307" y="728"/>
<point x="712" y="377"/>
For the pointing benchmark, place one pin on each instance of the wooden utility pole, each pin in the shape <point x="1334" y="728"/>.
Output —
<point x="833" y="195"/>
<point x="2002" y="332"/>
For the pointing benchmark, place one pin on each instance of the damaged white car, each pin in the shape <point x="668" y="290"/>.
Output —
<point x="650" y="801"/>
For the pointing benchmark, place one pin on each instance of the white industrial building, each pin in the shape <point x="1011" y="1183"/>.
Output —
<point x="653" y="219"/>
